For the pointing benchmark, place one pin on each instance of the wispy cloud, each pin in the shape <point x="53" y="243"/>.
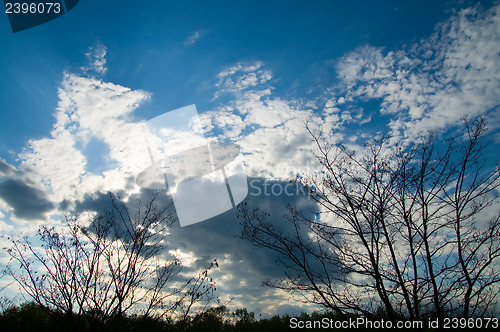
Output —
<point x="97" y="59"/>
<point x="428" y="85"/>
<point x="271" y="131"/>
<point x="194" y="37"/>
<point x="240" y="77"/>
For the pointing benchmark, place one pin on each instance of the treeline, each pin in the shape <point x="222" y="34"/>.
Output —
<point x="32" y="317"/>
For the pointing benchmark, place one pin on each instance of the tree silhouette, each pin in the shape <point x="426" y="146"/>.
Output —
<point x="404" y="231"/>
<point x="92" y="274"/>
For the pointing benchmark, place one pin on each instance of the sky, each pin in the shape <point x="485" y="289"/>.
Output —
<point x="257" y="71"/>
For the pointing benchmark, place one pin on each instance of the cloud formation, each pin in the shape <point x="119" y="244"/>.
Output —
<point x="27" y="202"/>
<point x="428" y="85"/>
<point x="242" y="268"/>
<point x="97" y="59"/>
<point x="424" y="86"/>
<point x="270" y="131"/>
<point x="88" y="109"/>
<point x="194" y="37"/>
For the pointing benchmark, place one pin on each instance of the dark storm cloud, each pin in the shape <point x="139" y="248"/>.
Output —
<point x="104" y="202"/>
<point x="6" y="169"/>
<point x="27" y="201"/>
<point x="243" y="266"/>
<point x="97" y="202"/>
<point x="219" y="236"/>
<point x="116" y="213"/>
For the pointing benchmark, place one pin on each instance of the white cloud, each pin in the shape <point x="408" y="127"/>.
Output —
<point x="88" y="108"/>
<point x="97" y="59"/>
<point x="428" y="86"/>
<point x="242" y="76"/>
<point x="4" y="227"/>
<point x="187" y="258"/>
<point x="270" y="131"/>
<point x="194" y="37"/>
<point x="58" y="164"/>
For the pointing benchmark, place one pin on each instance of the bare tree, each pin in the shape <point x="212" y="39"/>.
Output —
<point x="93" y="274"/>
<point x="5" y="302"/>
<point x="413" y="230"/>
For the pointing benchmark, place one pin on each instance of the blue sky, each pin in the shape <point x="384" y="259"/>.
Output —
<point x="149" y="47"/>
<point x="256" y="70"/>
